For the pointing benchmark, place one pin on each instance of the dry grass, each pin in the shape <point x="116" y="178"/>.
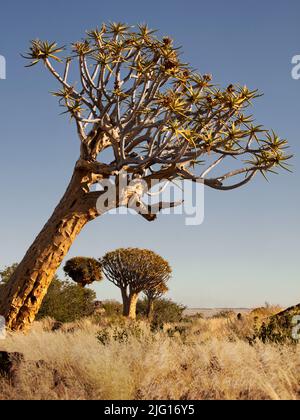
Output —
<point x="209" y="359"/>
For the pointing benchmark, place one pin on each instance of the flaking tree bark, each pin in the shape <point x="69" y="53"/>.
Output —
<point x="161" y="120"/>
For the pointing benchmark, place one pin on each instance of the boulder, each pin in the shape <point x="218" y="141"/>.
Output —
<point x="10" y="365"/>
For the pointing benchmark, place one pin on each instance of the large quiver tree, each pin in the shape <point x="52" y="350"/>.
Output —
<point x="160" y="120"/>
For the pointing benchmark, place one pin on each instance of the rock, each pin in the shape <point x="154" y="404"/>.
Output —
<point x="10" y="365"/>
<point x="44" y="367"/>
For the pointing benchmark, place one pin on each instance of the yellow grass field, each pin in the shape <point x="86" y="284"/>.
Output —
<point x="202" y="359"/>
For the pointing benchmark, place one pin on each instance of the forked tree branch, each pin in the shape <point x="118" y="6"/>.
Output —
<point x="159" y="118"/>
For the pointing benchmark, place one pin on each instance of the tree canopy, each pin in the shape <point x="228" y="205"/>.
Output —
<point x="83" y="270"/>
<point x="156" y="292"/>
<point x="160" y="118"/>
<point x="135" y="269"/>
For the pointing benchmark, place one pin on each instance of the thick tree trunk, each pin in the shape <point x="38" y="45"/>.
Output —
<point x="132" y="307"/>
<point x="22" y="298"/>
<point x="126" y="302"/>
<point x="129" y="304"/>
<point x="150" y="308"/>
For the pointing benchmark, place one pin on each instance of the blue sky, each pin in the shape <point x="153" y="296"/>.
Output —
<point x="247" y="250"/>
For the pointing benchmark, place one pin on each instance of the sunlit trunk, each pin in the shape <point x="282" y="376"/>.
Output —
<point x="129" y="304"/>
<point x="23" y="296"/>
<point x="150" y="308"/>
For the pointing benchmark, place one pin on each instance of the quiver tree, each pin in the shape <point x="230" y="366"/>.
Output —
<point x="152" y="294"/>
<point x="135" y="100"/>
<point x="83" y="270"/>
<point x="134" y="270"/>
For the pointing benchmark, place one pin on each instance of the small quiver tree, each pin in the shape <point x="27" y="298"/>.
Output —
<point x="134" y="270"/>
<point x="83" y="270"/>
<point x="153" y="294"/>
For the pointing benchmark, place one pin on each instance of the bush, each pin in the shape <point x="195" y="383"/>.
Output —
<point x="6" y="274"/>
<point x="66" y="302"/>
<point x="119" y="334"/>
<point x="112" y="307"/>
<point x="193" y="318"/>
<point x="165" y="311"/>
<point x="224" y="314"/>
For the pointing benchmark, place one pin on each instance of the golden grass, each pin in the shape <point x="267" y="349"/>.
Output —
<point x="210" y="360"/>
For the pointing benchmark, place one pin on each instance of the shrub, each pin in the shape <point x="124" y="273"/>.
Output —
<point x="119" y="334"/>
<point x="6" y="274"/>
<point x="66" y="302"/>
<point x="112" y="307"/>
<point x="165" y="311"/>
<point x="180" y="331"/>
<point x="224" y="314"/>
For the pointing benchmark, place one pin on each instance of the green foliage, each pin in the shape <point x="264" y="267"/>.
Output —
<point x="6" y="274"/>
<point x="83" y="270"/>
<point x="66" y="302"/>
<point x="165" y="311"/>
<point x="112" y="308"/>
<point x="119" y="334"/>
<point x="178" y="331"/>
<point x="42" y="50"/>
